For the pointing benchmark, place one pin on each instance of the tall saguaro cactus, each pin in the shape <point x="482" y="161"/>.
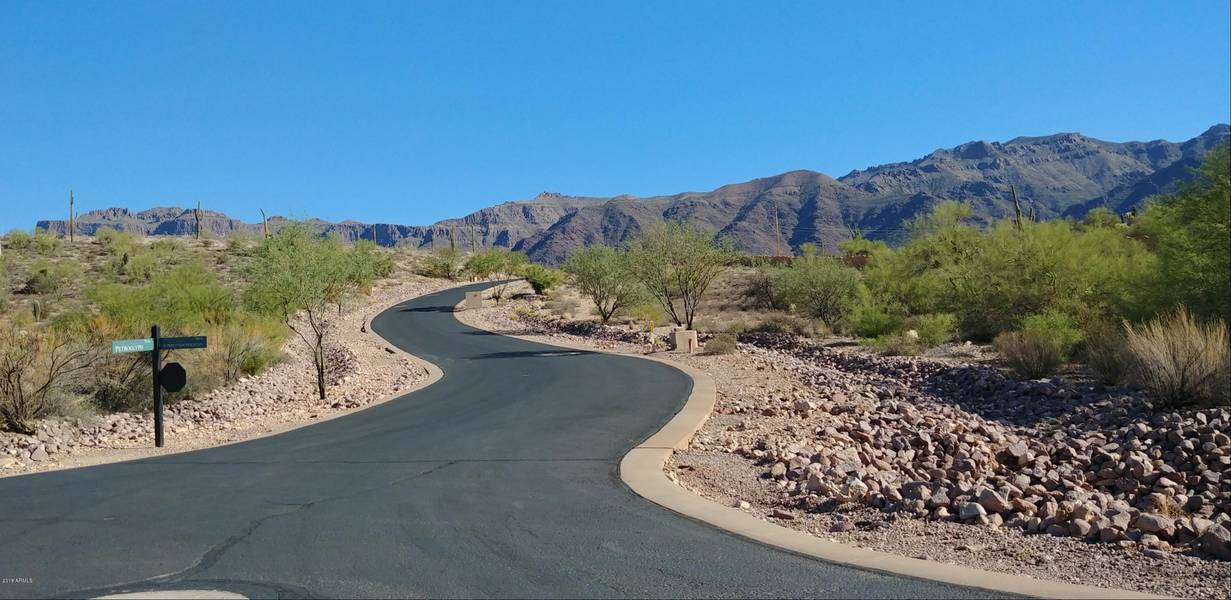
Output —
<point x="197" y="215"/>
<point x="264" y="224"/>
<point x="72" y="216"/>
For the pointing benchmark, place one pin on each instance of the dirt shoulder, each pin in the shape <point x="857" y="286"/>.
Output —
<point x="365" y="372"/>
<point x="777" y="405"/>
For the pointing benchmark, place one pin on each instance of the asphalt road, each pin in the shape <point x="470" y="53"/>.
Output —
<point x="500" y="480"/>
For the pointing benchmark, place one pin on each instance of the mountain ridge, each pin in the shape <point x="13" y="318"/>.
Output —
<point x="1059" y="175"/>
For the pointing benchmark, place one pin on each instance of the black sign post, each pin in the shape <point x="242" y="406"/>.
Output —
<point x="156" y="357"/>
<point x="172" y="377"/>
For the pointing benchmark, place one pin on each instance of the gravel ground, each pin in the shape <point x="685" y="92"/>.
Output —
<point x="364" y="371"/>
<point x="712" y="467"/>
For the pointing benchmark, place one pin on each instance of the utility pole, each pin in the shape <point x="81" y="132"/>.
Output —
<point x="72" y="216"/>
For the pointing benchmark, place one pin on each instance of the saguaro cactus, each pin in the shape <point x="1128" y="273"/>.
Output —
<point x="264" y="224"/>
<point x="72" y="216"/>
<point x="197" y="215"/>
<point x="36" y="308"/>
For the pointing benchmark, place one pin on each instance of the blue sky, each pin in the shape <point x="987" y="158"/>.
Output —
<point x="410" y="112"/>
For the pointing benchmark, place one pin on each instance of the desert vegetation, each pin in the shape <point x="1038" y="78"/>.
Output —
<point x="62" y="303"/>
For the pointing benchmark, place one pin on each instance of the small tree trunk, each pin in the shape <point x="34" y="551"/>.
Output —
<point x="320" y="375"/>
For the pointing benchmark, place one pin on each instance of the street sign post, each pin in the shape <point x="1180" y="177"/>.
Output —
<point x="173" y="377"/>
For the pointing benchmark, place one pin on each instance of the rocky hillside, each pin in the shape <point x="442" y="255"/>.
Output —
<point x="1062" y="175"/>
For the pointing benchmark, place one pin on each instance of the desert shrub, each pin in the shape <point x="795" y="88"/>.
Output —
<point x="1105" y="351"/>
<point x="494" y="262"/>
<point x="789" y="324"/>
<point x="182" y="301"/>
<point x="166" y="246"/>
<point x="723" y="343"/>
<point x="871" y="319"/>
<point x="821" y="287"/>
<point x="761" y="288"/>
<point x="542" y="278"/>
<point x="647" y="314"/>
<point x="50" y="277"/>
<point x="934" y="329"/>
<point x="34" y="366"/>
<point x="1190" y="232"/>
<point x="366" y="262"/>
<point x="243" y="347"/>
<point x="17" y="239"/>
<point x="443" y="263"/>
<point x="602" y="274"/>
<point x="564" y="307"/>
<point x="897" y="344"/>
<point x="115" y="242"/>
<point x="1055" y="326"/>
<point x="45" y="243"/>
<point x="989" y="278"/>
<point x="240" y="242"/>
<point x="1031" y="354"/>
<point x="1181" y="360"/>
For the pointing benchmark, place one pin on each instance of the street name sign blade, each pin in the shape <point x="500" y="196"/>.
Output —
<point x="126" y="346"/>
<point x="181" y="343"/>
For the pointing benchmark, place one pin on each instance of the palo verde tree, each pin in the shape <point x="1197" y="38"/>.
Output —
<point x="602" y="274"/>
<point x="677" y="263"/>
<point x="298" y="277"/>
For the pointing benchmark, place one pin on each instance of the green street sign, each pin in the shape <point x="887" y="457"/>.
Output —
<point x="126" y="346"/>
<point x="181" y="343"/>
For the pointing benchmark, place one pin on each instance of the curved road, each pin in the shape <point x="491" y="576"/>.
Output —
<point x="499" y="480"/>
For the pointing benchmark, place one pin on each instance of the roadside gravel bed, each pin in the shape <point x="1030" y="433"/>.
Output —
<point x="851" y="447"/>
<point x="363" y="371"/>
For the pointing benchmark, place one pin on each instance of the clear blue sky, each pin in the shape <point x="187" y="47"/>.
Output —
<point x="410" y="112"/>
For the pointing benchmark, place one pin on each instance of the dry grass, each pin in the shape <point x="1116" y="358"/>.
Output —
<point x="1180" y="360"/>
<point x="721" y="344"/>
<point x="1106" y="353"/>
<point x="1031" y="354"/>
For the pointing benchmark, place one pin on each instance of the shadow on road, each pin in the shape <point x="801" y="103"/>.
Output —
<point x="532" y="354"/>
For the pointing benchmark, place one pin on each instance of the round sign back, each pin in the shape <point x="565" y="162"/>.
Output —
<point x="173" y="377"/>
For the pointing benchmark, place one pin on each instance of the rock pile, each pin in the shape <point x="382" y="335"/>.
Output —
<point x="963" y="442"/>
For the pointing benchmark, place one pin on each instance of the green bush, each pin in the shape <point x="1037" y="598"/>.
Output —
<point x="50" y="278"/>
<point x="934" y="329"/>
<point x="869" y="319"/>
<point x="721" y="344"/>
<point x="1191" y="234"/>
<point x="897" y="344"/>
<point x="17" y="239"/>
<point x="988" y="279"/>
<point x="1055" y="326"/>
<point x="45" y="242"/>
<point x="821" y="287"/>
<point x="443" y="263"/>
<point x="116" y="242"/>
<point x="542" y="278"/>
<point x="1030" y="353"/>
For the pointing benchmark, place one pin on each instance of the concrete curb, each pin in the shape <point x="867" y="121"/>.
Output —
<point x="642" y="471"/>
